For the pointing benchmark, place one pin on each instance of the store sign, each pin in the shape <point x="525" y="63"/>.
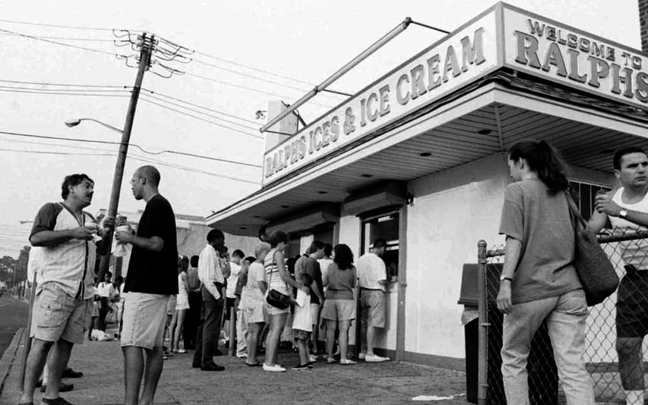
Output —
<point x="441" y="69"/>
<point x="554" y="51"/>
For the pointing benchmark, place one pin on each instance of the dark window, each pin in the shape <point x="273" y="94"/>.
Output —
<point x="586" y="196"/>
<point x="385" y="226"/>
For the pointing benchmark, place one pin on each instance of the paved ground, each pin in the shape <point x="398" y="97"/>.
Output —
<point x="364" y="383"/>
<point x="13" y="316"/>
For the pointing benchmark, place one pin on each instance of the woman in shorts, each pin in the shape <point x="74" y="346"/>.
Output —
<point x="339" y="306"/>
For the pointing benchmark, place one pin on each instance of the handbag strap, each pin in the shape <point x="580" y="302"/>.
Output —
<point x="575" y="215"/>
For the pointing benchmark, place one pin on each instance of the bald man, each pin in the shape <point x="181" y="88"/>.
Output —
<point x="152" y="278"/>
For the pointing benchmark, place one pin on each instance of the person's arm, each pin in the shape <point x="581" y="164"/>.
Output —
<point x="511" y="259"/>
<point x="204" y="262"/>
<point x="283" y="272"/>
<point x="183" y="277"/>
<point x="597" y="221"/>
<point x="605" y="205"/>
<point x="154" y="243"/>
<point x="382" y="273"/>
<point x="226" y="270"/>
<point x="263" y="286"/>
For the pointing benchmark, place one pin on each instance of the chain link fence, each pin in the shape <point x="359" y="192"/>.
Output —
<point x="628" y="251"/>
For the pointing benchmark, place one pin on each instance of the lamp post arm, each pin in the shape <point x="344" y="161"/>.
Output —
<point x="103" y="123"/>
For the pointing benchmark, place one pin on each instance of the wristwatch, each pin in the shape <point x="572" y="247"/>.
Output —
<point x="623" y="213"/>
<point x="502" y="278"/>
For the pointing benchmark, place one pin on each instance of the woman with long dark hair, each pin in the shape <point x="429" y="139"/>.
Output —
<point x="539" y="281"/>
<point x="339" y="306"/>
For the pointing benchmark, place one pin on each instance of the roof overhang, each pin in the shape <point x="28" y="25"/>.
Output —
<point x="503" y="99"/>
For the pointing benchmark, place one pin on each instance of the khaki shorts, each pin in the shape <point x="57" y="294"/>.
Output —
<point x="144" y="318"/>
<point x="57" y="316"/>
<point x="339" y="310"/>
<point x="372" y="303"/>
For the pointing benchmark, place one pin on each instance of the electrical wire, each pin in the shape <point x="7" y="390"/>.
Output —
<point x="67" y="38"/>
<point x="64" y="90"/>
<point x="200" y="106"/>
<point x="63" y="93"/>
<point x="248" y="88"/>
<point x="65" y="26"/>
<point x="62" y="44"/>
<point x="18" y="134"/>
<point x="56" y="153"/>
<point x="200" y="112"/>
<point x="145" y="98"/>
<point x="64" y="84"/>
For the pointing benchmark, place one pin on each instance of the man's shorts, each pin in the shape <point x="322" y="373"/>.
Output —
<point x="144" y="318"/>
<point x="300" y="334"/>
<point x="58" y="316"/>
<point x="314" y="310"/>
<point x="255" y="311"/>
<point x="339" y="310"/>
<point x="372" y="303"/>
<point x="632" y="305"/>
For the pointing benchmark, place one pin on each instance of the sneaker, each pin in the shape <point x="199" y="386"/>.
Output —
<point x="242" y="355"/>
<point x="330" y="360"/>
<point x="276" y="368"/>
<point x="312" y="358"/>
<point x="346" y="362"/>
<point x="212" y="367"/>
<point x="56" y="401"/>
<point x="362" y="355"/>
<point x="300" y="367"/>
<point x="181" y="351"/>
<point x="374" y="358"/>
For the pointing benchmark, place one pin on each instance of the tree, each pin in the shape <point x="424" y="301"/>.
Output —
<point x="7" y="266"/>
<point x="21" y="265"/>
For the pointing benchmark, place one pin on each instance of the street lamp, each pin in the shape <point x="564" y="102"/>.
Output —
<point x="76" y="121"/>
<point x="116" y="187"/>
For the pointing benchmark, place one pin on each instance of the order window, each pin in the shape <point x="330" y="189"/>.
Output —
<point x="385" y="226"/>
<point x="586" y="193"/>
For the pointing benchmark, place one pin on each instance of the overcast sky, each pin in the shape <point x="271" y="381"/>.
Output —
<point x="280" y="50"/>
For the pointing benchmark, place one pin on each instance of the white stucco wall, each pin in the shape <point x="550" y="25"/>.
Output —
<point x="452" y="211"/>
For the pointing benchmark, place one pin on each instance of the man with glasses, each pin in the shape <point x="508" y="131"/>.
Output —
<point x="152" y="279"/>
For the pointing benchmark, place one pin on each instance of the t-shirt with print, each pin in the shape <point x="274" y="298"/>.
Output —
<point x="542" y="223"/>
<point x="155" y="272"/>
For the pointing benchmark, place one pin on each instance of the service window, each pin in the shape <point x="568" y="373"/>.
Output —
<point x="586" y="196"/>
<point x="385" y="226"/>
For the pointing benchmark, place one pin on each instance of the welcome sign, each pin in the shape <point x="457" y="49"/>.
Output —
<point x="554" y="51"/>
<point x="441" y="69"/>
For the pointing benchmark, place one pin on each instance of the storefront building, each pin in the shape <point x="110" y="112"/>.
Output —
<point x="419" y="158"/>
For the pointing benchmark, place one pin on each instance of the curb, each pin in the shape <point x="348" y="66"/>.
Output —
<point x="9" y="356"/>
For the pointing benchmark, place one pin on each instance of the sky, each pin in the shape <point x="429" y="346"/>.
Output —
<point x="239" y="55"/>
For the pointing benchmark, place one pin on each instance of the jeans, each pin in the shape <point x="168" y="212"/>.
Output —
<point x="566" y="316"/>
<point x="209" y="329"/>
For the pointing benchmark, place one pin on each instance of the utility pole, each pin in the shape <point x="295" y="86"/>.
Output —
<point x="144" y="62"/>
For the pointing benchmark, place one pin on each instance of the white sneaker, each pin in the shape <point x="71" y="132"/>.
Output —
<point x="242" y="355"/>
<point x="373" y="358"/>
<point x="362" y="355"/>
<point x="276" y="368"/>
<point x="312" y="358"/>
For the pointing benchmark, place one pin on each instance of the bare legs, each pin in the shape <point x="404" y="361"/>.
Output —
<point x="177" y="325"/>
<point x="277" y="323"/>
<point x="254" y="330"/>
<point x="135" y="367"/>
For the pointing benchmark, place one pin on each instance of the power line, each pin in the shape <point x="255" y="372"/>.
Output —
<point x="42" y="152"/>
<point x="145" y="98"/>
<point x="65" y="84"/>
<point x="200" y="112"/>
<point x="248" y="88"/>
<point x="64" y="90"/>
<point x="65" y="26"/>
<point x="63" y="44"/>
<point x="118" y="143"/>
<point x="63" y="93"/>
<point x="68" y="38"/>
<point x="202" y="107"/>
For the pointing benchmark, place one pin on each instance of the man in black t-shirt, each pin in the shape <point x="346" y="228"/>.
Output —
<point x="309" y="265"/>
<point x="152" y="278"/>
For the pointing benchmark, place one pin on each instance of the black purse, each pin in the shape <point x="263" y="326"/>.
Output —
<point x="277" y="299"/>
<point x="593" y="266"/>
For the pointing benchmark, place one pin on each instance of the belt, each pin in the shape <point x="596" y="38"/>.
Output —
<point x="370" y="289"/>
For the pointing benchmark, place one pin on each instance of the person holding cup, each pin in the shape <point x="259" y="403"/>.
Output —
<point x="65" y="285"/>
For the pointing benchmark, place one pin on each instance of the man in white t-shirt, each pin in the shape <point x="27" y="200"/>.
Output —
<point x="372" y="278"/>
<point x="627" y="209"/>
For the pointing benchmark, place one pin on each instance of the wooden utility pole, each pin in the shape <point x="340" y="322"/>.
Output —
<point x="144" y="62"/>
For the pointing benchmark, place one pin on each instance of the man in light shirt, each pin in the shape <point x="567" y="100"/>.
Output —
<point x="230" y="296"/>
<point x="212" y="272"/>
<point x="372" y="278"/>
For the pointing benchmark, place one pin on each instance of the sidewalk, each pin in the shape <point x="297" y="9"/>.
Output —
<point x="363" y="383"/>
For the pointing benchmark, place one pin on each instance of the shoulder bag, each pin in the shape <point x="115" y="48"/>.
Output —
<point x="275" y="298"/>
<point x="594" y="269"/>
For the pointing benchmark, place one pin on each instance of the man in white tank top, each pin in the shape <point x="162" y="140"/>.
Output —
<point x="627" y="208"/>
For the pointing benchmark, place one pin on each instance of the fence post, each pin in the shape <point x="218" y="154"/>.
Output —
<point x="482" y="363"/>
